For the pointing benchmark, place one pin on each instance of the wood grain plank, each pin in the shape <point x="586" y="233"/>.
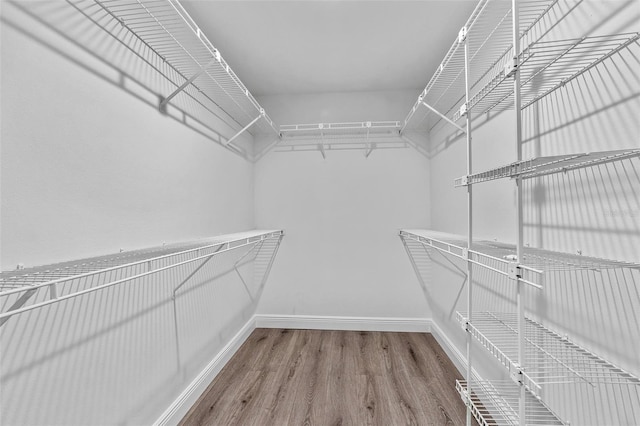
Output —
<point x="339" y="378"/>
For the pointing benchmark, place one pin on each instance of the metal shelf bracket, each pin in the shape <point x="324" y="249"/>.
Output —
<point x="245" y="128"/>
<point x="165" y="101"/>
<point x="444" y="117"/>
<point x="324" y="155"/>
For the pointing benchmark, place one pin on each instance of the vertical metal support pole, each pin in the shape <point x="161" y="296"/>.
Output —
<point x="517" y="102"/>
<point x="469" y="226"/>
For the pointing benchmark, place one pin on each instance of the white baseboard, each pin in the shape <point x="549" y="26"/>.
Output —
<point x="454" y="354"/>
<point x="190" y="395"/>
<point x="309" y="322"/>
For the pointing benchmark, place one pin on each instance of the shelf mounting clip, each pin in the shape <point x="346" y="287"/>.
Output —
<point x="516" y="373"/>
<point x="462" y="181"/>
<point x="462" y="34"/>
<point x="511" y="67"/>
<point x="515" y="271"/>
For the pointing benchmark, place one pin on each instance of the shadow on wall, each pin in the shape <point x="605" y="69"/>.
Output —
<point x="423" y="259"/>
<point x="121" y="355"/>
<point x="89" y="37"/>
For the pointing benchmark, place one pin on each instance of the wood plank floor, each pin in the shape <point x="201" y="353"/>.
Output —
<point x="314" y="377"/>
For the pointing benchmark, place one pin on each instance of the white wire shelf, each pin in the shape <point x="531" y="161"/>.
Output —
<point x="355" y="130"/>
<point x="202" y="73"/>
<point x="498" y="256"/>
<point x="365" y="135"/>
<point x="544" y="68"/>
<point x="548" y="165"/>
<point x="496" y="403"/>
<point x="489" y="35"/>
<point x="67" y="280"/>
<point x="549" y="358"/>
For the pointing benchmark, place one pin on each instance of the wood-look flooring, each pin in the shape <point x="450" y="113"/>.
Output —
<point x="314" y="377"/>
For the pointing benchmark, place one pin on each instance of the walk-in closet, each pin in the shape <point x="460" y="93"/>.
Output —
<point x="218" y="212"/>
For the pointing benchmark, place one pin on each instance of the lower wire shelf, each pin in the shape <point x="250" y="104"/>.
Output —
<point x="494" y="403"/>
<point x="549" y="358"/>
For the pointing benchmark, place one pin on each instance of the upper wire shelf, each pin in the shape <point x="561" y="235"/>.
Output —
<point x="367" y="135"/>
<point x="494" y="403"/>
<point x="540" y="166"/>
<point x="489" y="35"/>
<point x="549" y="357"/>
<point x="71" y="279"/>
<point x="544" y="68"/>
<point x="165" y="27"/>
<point x="356" y="130"/>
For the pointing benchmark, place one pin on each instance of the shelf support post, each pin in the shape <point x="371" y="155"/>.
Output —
<point x="517" y="101"/>
<point x="462" y="38"/>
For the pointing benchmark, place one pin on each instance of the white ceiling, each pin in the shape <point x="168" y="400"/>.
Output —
<point x="288" y="47"/>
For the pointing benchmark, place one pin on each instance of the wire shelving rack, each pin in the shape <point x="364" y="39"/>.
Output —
<point x="502" y="59"/>
<point x="201" y="83"/>
<point x="489" y="49"/>
<point x="544" y="66"/>
<point x="541" y="166"/>
<point x="365" y="135"/>
<point x="67" y="280"/>
<point x="549" y="357"/>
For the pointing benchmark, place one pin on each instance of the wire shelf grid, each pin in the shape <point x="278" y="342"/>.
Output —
<point x="167" y="29"/>
<point x="541" y="166"/>
<point x="489" y="253"/>
<point x="494" y="403"/>
<point x="497" y="258"/>
<point x="489" y="35"/>
<point x="549" y="357"/>
<point x="544" y="66"/>
<point x="353" y="130"/>
<point x="71" y="279"/>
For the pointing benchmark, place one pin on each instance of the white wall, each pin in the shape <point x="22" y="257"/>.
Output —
<point x="88" y="169"/>
<point x="594" y="210"/>
<point x="341" y="255"/>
